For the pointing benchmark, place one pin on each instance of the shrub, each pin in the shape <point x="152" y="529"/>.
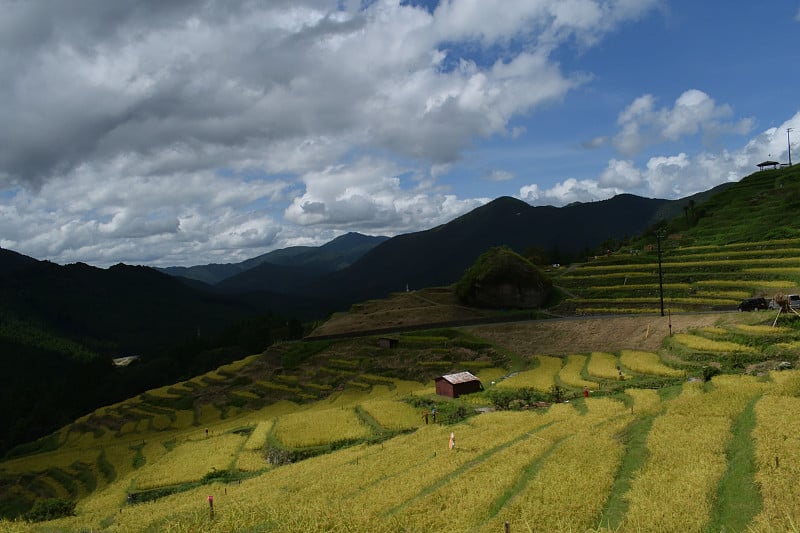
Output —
<point x="514" y="398"/>
<point x="557" y="394"/>
<point x="50" y="509"/>
<point x="709" y="372"/>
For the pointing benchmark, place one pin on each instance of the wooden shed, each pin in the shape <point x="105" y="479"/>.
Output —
<point x="388" y="342"/>
<point x="454" y="385"/>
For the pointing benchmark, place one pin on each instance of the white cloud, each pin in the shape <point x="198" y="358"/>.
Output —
<point x="499" y="175"/>
<point x="175" y="218"/>
<point x="566" y="192"/>
<point x="621" y="174"/>
<point x="642" y="124"/>
<point x="369" y="194"/>
<point x="169" y="132"/>
<point x="671" y="176"/>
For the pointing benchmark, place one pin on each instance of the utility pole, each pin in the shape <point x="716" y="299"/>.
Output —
<point x="789" y="145"/>
<point x="660" y="275"/>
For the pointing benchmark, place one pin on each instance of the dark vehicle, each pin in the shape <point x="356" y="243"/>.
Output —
<point x="753" y="304"/>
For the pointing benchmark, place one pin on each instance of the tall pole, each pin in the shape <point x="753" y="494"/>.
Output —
<point x="660" y="275"/>
<point x="789" y="144"/>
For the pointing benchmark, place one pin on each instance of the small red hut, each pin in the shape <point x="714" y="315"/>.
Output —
<point x="454" y="385"/>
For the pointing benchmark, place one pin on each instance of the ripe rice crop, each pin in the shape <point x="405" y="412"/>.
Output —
<point x="633" y="285"/>
<point x="489" y="375"/>
<point x="269" y="385"/>
<point x="774" y="271"/>
<point x="754" y="284"/>
<point x="571" y="486"/>
<point x="570" y="375"/>
<point x="458" y="507"/>
<point x="541" y="378"/>
<point x="595" y="276"/>
<point x="190" y="461"/>
<point x="647" y="363"/>
<point x="728" y="295"/>
<point x="213" y="377"/>
<point x="245" y="394"/>
<point x="240" y="364"/>
<point x="715" y="330"/>
<point x="777" y="451"/>
<point x="676" y="488"/>
<point x="160" y="422"/>
<point x="787" y="382"/>
<point x="208" y="413"/>
<point x="251" y="461"/>
<point x="645" y="400"/>
<point x="320" y="426"/>
<point x="163" y="392"/>
<point x="603" y="365"/>
<point x="762" y="329"/>
<point x="393" y="414"/>
<point x="695" y="342"/>
<point x="258" y="438"/>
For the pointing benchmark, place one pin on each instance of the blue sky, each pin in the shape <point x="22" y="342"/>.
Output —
<point x="190" y="132"/>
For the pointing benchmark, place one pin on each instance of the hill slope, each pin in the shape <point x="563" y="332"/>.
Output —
<point x="625" y="458"/>
<point x="334" y="255"/>
<point x="440" y="255"/>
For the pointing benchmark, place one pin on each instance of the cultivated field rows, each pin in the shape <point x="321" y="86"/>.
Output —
<point x="570" y="467"/>
<point x="693" y="277"/>
<point x="546" y="471"/>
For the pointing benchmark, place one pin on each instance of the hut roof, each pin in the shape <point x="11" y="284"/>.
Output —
<point x="460" y="377"/>
<point x="768" y="164"/>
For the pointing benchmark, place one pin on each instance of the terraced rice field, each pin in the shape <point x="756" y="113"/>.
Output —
<point x="695" y="278"/>
<point x="592" y="464"/>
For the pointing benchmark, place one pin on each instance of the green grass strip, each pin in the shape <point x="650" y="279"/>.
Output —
<point x="635" y="438"/>
<point x="738" y="498"/>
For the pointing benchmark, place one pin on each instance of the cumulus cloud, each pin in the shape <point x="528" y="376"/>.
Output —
<point x="166" y="131"/>
<point x="566" y="192"/>
<point x="670" y="176"/>
<point x="235" y="80"/>
<point x="369" y="194"/>
<point x="171" y="219"/>
<point x="622" y="174"/>
<point x="642" y="124"/>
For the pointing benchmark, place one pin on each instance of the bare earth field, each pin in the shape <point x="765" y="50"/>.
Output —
<point x="580" y="335"/>
<point x="400" y="310"/>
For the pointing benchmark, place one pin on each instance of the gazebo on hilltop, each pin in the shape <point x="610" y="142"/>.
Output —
<point x="764" y="164"/>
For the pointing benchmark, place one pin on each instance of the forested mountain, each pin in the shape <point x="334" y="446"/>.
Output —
<point x="334" y="255"/>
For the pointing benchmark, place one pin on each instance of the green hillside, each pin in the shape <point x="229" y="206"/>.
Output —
<point x="742" y="242"/>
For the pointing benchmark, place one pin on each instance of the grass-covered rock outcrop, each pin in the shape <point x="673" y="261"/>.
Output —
<point x="501" y="278"/>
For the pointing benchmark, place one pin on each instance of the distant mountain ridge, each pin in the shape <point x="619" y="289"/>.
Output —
<point x="439" y="256"/>
<point x="355" y="267"/>
<point x="334" y="255"/>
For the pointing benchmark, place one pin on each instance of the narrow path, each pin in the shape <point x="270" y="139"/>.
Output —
<point x="633" y="460"/>
<point x="738" y="497"/>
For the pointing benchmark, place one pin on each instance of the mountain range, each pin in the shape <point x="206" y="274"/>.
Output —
<point x="60" y="325"/>
<point x="355" y="267"/>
